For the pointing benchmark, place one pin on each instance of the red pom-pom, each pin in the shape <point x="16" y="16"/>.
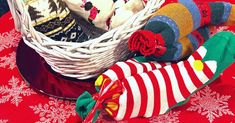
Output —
<point x="135" y="41"/>
<point x="147" y="43"/>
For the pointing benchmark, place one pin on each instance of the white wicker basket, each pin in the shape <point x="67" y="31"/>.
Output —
<point x="81" y="60"/>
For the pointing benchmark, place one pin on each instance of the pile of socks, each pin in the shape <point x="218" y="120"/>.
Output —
<point x="106" y="14"/>
<point x="178" y="57"/>
<point x="177" y="29"/>
<point x="137" y="88"/>
<point x="54" y="19"/>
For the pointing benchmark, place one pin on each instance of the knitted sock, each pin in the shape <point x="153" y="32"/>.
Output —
<point x="96" y="12"/>
<point x="54" y="19"/>
<point x="173" y="51"/>
<point x="175" y="21"/>
<point x="105" y="14"/>
<point x="125" y="10"/>
<point x="155" y="92"/>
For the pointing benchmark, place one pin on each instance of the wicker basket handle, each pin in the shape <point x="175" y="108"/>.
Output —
<point x="16" y="13"/>
<point x="22" y="19"/>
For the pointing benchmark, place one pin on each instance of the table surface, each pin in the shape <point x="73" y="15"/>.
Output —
<point x="21" y="104"/>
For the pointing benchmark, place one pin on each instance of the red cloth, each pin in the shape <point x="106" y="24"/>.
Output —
<point x="20" y="104"/>
<point x="146" y="42"/>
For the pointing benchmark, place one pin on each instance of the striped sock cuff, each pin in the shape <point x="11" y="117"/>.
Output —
<point x="227" y="11"/>
<point x="205" y="12"/>
<point x="192" y="7"/>
<point x="171" y="23"/>
<point x="217" y="12"/>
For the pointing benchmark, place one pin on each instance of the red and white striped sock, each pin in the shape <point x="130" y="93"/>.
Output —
<point x="153" y="92"/>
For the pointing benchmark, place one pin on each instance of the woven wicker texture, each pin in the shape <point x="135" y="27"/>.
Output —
<point x="87" y="59"/>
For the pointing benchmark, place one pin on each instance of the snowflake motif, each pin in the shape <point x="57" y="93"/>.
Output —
<point x="56" y="111"/>
<point x="3" y="121"/>
<point x="9" y="39"/>
<point x="170" y="117"/>
<point x="9" y="61"/>
<point x="15" y="93"/>
<point x="210" y="103"/>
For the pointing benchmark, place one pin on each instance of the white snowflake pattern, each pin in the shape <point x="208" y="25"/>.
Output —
<point x="56" y="111"/>
<point x="170" y="117"/>
<point x="210" y="103"/>
<point x="8" y="61"/>
<point x="15" y="92"/>
<point x="9" y="39"/>
<point x="3" y="121"/>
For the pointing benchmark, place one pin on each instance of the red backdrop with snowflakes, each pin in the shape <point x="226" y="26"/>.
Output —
<point x="20" y="104"/>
